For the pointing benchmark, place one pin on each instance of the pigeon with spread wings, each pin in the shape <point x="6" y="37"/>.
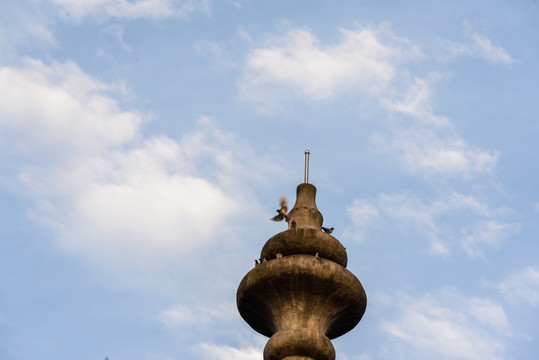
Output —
<point x="282" y="212"/>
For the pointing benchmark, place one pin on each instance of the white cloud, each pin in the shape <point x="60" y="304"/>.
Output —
<point x="116" y="31"/>
<point x="224" y="352"/>
<point x="448" y="325"/>
<point x="136" y="204"/>
<point x="369" y="61"/>
<point x="426" y="152"/>
<point x="140" y="207"/>
<point x="466" y="220"/>
<point x="111" y="196"/>
<point x="23" y="27"/>
<point x="483" y="48"/>
<point x="522" y="287"/>
<point x="429" y="145"/>
<point x="362" y="214"/>
<point x="355" y="357"/>
<point x="210" y="48"/>
<point x="480" y="46"/>
<point x="78" y="9"/>
<point x="477" y="46"/>
<point x="417" y="102"/>
<point x="487" y="233"/>
<point x="180" y="316"/>
<point x="489" y="314"/>
<point x="60" y="108"/>
<point x="299" y="63"/>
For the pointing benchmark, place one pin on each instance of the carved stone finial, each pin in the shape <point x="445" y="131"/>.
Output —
<point x="305" y="213"/>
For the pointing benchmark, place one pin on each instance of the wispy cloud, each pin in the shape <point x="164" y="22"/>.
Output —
<point x="427" y="144"/>
<point x="522" y="286"/>
<point x="448" y="325"/>
<point x="479" y="227"/>
<point x="116" y="31"/>
<point x="487" y="234"/>
<point x="372" y="62"/>
<point x="428" y="152"/>
<point x="156" y="9"/>
<point x="181" y="316"/>
<point x="223" y="352"/>
<point x="23" y="27"/>
<point x="480" y="46"/>
<point x="416" y="101"/>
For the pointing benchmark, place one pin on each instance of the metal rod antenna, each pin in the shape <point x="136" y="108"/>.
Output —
<point x="307" y="152"/>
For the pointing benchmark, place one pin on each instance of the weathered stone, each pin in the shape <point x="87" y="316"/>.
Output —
<point x="305" y="241"/>
<point x="305" y="296"/>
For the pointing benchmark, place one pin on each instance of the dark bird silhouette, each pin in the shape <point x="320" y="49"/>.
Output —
<point x="256" y="262"/>
<point x="327" y="230"/>
<point x="293" y="224"/>
<point x="282" y="212"/>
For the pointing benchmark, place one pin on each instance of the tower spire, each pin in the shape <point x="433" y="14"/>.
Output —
<point x="307" y="152"/>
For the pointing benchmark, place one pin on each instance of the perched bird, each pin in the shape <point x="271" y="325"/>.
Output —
<point x="282" y="212"/>
<point x="256" y="262"/>
<point x="293" y="224"/>
<point x="327" y="230"/>
<point x="278" y="255"/>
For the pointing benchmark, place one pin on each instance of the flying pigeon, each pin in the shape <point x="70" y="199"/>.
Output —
<point x="281" y="213"/>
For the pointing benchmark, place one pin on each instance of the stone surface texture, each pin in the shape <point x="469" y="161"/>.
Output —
<point x="305" y="297"/>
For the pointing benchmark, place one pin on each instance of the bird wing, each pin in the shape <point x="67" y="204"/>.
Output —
<point x="278" y="217"/>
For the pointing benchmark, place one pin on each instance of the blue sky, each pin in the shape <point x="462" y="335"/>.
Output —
<point x="144" y="146"/>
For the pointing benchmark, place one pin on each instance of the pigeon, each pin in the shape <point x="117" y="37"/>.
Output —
<point x="293" y="224"/>
<point x="256" y="262"/>
<point x="327" y="230"/>
<point x="281" y="213"/>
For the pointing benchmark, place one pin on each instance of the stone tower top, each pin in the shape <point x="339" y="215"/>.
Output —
<point x="301" y="295"/>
